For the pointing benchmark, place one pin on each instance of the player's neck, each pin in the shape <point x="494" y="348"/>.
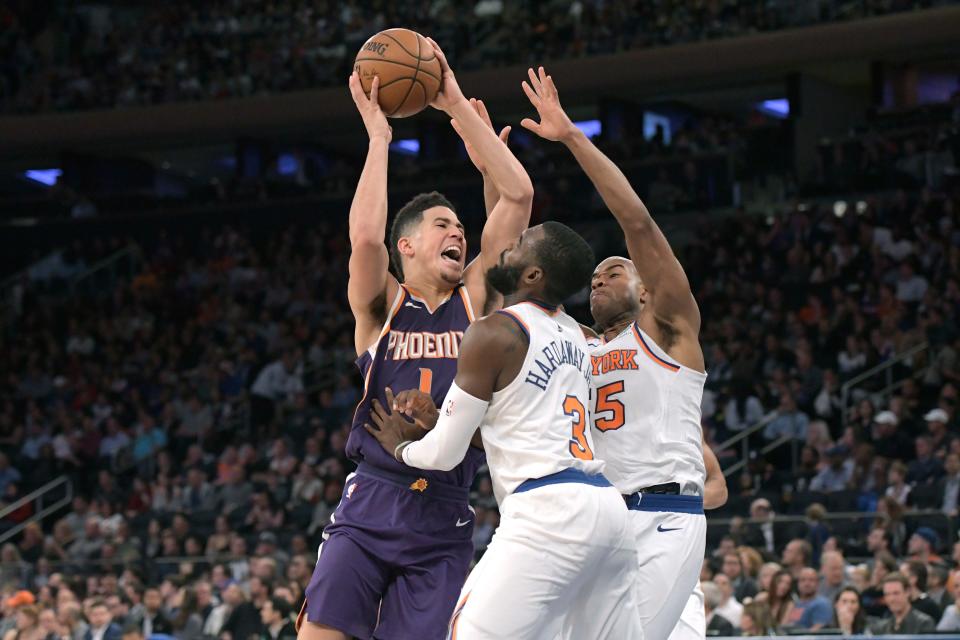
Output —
<point x="432" y="292"/>
<point x="617" y="324"/>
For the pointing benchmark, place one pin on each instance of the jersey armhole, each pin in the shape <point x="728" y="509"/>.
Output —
<point x="516" y="318"/>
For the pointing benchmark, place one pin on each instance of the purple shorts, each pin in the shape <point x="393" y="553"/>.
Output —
<point x="393" y="560"/>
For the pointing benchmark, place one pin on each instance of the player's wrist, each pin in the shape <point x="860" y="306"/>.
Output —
<point x="573" y="136"/>
<point x="398" y="450"/>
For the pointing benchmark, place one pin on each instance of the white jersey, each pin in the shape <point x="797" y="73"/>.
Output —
<point x="538" y="424"/>
<point x="646" y="414"/>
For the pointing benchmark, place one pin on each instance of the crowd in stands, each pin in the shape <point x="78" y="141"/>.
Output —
<point x="200" y="411"/>
<point x="89" y="56"/>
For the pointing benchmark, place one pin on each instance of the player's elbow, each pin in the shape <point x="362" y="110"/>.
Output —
<point x="520" y="193"/>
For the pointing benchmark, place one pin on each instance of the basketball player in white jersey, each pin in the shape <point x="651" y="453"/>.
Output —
<point x="647" y="375"/>
<point x="563" y="557"/>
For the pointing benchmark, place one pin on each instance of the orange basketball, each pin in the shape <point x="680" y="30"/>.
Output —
<point x="408" y="68"/>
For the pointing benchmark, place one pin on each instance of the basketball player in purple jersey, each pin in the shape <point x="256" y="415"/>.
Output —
<point x="399" y="545"/>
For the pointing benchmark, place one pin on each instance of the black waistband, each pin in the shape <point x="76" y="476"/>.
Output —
<point x="427" y="487"/>
<point x="667" y="488"/>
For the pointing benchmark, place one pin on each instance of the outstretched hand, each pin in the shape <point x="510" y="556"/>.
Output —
<point x="373" y="118"/>
<point x="554" y="123"/>
<point x="450" y="93"/>
<point x="481" y="110"/>
<point x="392" y="428"/>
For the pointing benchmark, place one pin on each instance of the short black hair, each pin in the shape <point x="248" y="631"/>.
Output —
<point x="411" y="214"/>
<point x="281" y="606"/>
<point x="919" y="571"/>
<point x="566" y="259"/>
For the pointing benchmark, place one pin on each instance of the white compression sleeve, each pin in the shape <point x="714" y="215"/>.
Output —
<point x="446" y="445"/>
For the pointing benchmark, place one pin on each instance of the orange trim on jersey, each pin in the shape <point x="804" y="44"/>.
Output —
<point x="547" y="310"/>
<point x="456" y="617"/>
<point x="386" y="329"/>
<point x="666" y="364"/>
<point x="467" y="303"/>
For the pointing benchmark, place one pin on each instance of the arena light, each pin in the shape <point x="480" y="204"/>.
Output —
<point x="776" y="108"/>
<point x="406" y="147"/>
<point x="590" y="128"/>
<point x="861" y="207"/>
<point x="839" y="208"/>
<point x="287" y="164"/>
<point x="43" y="176"/>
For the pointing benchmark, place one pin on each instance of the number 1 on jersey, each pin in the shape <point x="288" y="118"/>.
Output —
<point x="579" y="447"/>
<point x="426" y="380"/>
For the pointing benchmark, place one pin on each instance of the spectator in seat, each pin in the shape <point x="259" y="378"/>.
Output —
<point x="810" y="611"/>
<point x="26" y="624"/>
<point x="743" y="586"/>
<point x="925" y="468"/>
<point x="887" y="440"/>
<point x="904" y="619"/>
<point x="950" y="621"/>
<point x="940" y="438"/>
<point x="729" y="607"/>
<point x="154" y="619"/>
<point x="833" y="576"/>
<point x="275" y="616"/>
<point x="797" y="555"/>
<point x="916" y="574"/>
<point x="950" y="485"/>
<point x="780" y="597"/>
<point x="838" y="473"/>
<point x="897" y="488"/>
<point x="756" y="620"/>
<point x="102" y="626"/>
<point x="243" y="620"/>
<point x="937" y="576"/>
<point x="878" y="543"/>
<point x="923" y="545"/>
<point x="790" y="421"/>
<point x="848" y="615"/>
<point x="716" y="624"/>
<point x="761" y="533"/>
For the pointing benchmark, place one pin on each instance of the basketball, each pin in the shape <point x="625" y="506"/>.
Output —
<point x="408" y="69"/>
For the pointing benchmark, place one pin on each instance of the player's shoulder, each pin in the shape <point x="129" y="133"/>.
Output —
<point x="498" y="330"/>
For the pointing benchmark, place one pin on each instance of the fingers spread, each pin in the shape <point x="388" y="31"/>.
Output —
<point x="505" y="133"/>
<point x="535" y="81"/>
<point x="531" y="94"/>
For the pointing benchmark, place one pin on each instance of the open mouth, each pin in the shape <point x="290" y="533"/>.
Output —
<point x="452" y="254"/>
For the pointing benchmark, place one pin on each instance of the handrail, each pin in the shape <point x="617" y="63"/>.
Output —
<point x="885" y="366"/>
<point x="829" y="515"/>
<point x="129" y="250"/>
<point x="42" y="512"/>
<point x="743" y="437"/>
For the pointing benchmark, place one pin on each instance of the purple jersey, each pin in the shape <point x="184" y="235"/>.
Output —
<point x="417" y="349"/>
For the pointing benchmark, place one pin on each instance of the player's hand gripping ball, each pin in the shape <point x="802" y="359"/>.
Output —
<point x="408" y="68"/>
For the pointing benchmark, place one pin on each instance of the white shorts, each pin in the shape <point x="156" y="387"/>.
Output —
<point x="561" y="561"/>
<point x="693" y="621"/>
<point x="670" y="548"/>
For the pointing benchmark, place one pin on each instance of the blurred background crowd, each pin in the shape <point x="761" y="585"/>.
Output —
<point x="176" y="392"/>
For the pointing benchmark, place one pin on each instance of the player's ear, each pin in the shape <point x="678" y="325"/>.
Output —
<point x="531" y="275"/>
<point x="405" y="247"/>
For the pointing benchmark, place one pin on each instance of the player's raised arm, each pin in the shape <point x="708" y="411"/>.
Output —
<point x="658" y="267"/>
<point x="715" y="486"/>
<point x="490" y="194"/>
<point x="511" y="214"/>
<point x="371" y="285"/>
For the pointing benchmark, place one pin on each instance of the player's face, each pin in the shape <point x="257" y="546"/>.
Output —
<point x="440" y="244"/>
<point x="506" y="275"/>
<point x="615" y="290"/>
